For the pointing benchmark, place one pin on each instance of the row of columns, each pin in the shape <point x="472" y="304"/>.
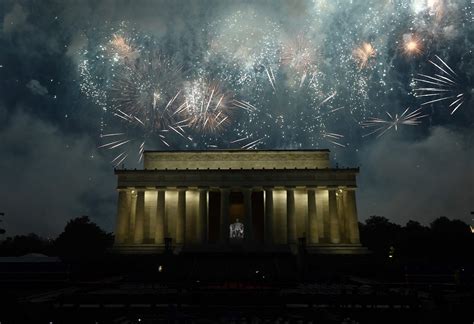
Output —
<point x="137" y="225"/>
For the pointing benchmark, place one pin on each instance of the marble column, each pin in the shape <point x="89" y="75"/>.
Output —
<point x="334" y="233"/>
<point x="202" y="217"/>
<point x="290" y="216"/>
<point x="160" y="217"/>
<point x="268" y="226"/>
<point x="248" y="221"/>
<point x="140" y="217"/>
<point x="313" y="234"/>
<point x="322" y="214"/>
<point x="351" y="216"/>
<point x="181" y="217"/>
<point x="149" y="223"/>
<point x="133" y="216"/>
<point x="224" y="219"/>
<point x="123" y="215"/>
<point x="341" y="215"/>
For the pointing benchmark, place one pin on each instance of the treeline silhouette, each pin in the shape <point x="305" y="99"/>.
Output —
<point x="443" y="240"/>
<point x="80" y="240"/>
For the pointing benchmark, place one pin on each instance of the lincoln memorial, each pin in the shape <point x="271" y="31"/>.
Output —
<point x="225" y="200"/>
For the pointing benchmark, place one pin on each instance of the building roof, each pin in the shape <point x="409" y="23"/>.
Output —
<point x="236" y="159"/>
<point x="236" y="150"/>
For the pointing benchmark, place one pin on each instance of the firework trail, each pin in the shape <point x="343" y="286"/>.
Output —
<point x="384" y="125"/>
<point x="440" y="86"/>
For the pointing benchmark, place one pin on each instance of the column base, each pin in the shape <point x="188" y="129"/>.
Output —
<point x="138" y="248"/>
<point x="337" y="249"/>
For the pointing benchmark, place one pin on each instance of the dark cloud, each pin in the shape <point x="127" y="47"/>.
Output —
<point x="48" y="177"/>
<point x="15" y="19"/>
<point x="418" y="180"/>
<point x="36" y="88"/>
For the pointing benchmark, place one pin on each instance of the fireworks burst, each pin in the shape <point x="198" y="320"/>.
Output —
<point x="299" y="55"/>
<point x="147" y="90"/>
<point x="384" y="125"/>
<point x="440" y="86"/>
<point x="121" y="48"/>
<point x="412" y="45"/>
<point x="363" y="54"/>
<point x="206" y="106"/>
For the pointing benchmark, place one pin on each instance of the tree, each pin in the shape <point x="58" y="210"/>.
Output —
<point x="451" y="239"/>
<point x="82" y="240"/>
<point x="415" y="240"/>
<point x="24" y="244"/>
<point x="2" y="230"/>
<point x="379" y="234"/>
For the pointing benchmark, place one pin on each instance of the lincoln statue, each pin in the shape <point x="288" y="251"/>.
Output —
<point x="252" y="200"/>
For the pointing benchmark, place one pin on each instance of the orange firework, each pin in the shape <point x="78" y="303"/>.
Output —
<point x="363" y="54"/>
<point x="412" y="45"/>
<point x="120" y="48"/>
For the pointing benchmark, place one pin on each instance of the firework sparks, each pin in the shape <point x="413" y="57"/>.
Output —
<point x="363" y="54"/>
<point x="333" y="138"/>
<point x="146" y="90"/>
<point x="207" y="106"/>
<point x="440" y="86"/>
<point x="412" y="45"/>
<point x="271" y="77"/>
<point x="299" y="55"/>
<point x="120" y="48"/>
<point x="244" y="105"/>
<point x="382" y="126"/>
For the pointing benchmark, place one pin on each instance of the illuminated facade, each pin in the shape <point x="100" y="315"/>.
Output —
<point x="196" y="199"/>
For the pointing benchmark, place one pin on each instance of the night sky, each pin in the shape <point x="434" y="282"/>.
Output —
<point x="86" y="86"/>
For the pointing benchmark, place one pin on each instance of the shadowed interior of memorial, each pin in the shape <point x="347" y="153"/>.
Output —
<point x="197" y="200"/>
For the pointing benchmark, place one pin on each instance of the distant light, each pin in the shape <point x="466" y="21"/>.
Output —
<point x="390" y="256"/>
<point x="256" y="271"/>
<point x="160" y="268"/>
<point x="139" y="319"/>
<point x="472" y="229"/>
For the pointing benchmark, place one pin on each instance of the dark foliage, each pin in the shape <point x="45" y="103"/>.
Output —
<point x="2" y="230"/>
<point x="443" y="240"/>
<point x="82" y="240"/>
<point x="24" y="244"/>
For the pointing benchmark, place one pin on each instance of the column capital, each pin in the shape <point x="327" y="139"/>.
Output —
<point x="290" y="188"/>
<point x="182" y="188"/>
<point x="224" y="189"/>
